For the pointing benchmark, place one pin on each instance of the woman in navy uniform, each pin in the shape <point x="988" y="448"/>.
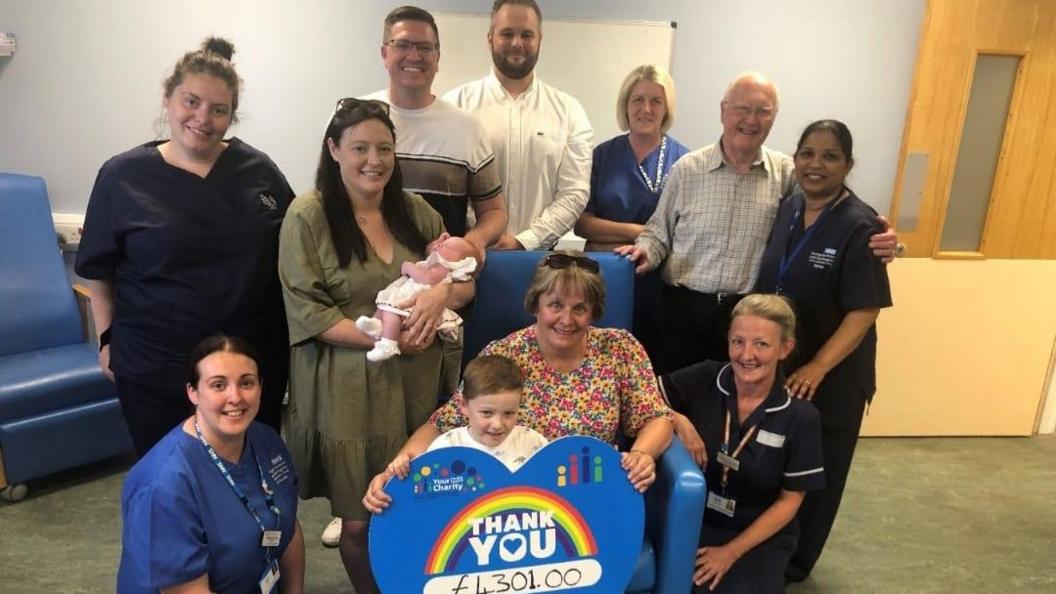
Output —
<point x="181" y="241"/>
<point x="818" y="255"/>
<point x="762" y="446"/>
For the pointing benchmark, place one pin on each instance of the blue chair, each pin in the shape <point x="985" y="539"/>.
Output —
<point x="57" y="409"/>
<point x="675" y="503"/>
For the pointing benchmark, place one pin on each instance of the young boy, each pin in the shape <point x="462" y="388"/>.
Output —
<point x="491" y="398"/>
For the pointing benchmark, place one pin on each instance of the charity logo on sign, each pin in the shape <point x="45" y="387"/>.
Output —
<point x="462" y="523"/>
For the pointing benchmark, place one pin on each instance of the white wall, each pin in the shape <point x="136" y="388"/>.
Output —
<point x="85" y="83"/>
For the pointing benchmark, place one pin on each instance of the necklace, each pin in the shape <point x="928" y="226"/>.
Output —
<point x="658" y="184"/>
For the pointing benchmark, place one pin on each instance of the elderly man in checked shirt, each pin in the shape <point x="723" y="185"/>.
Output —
<point x="711" y="225"/>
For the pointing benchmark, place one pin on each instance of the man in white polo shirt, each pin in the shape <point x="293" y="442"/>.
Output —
<point x="541" y="136"/>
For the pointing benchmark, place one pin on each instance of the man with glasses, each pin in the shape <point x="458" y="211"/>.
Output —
<point x="712" y="223"/>
<point x="541" y="136"/>
<point x="443" y="152"/>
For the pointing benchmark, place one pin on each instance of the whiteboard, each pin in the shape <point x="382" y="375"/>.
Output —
<point x="585" y="58"/>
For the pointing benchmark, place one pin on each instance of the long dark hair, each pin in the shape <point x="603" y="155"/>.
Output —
<point x="344" y="232"/>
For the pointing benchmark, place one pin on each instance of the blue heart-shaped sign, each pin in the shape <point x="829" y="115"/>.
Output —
<point x="462" y="523"/>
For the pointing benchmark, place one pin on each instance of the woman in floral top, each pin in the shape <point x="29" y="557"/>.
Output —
<point x="579" y="380"/>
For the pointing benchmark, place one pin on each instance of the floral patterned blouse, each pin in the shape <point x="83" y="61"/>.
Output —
<point x="613" y="389"/>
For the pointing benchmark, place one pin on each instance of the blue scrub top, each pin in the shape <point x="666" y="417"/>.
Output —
<point x="182" y="519"/>
<point x="617" y="190"/>
<point x="833" y="273"/>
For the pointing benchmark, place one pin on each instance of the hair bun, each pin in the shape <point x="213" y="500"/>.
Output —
<point x="219" y="46"/>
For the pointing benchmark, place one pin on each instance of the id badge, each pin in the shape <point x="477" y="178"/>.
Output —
<point x="271" y="538"/>
<point x="723" y="505"/>
<point x="728" y="461"/>
<point x="270" y="580"/>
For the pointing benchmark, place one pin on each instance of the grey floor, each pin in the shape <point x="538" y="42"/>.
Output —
<point x="919" y="515"/>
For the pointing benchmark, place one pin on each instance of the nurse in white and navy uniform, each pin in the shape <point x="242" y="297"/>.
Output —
<point x="763" y="450"/>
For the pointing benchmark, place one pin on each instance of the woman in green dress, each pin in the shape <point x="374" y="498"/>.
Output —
<point x="340" y="244"/>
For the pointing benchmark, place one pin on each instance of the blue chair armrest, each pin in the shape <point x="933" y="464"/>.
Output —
<point x="674" y="511"/>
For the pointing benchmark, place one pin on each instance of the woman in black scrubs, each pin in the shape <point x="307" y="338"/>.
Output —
<point x="763" y="450"/>
<point x="180" y="242"/>
<point x="818" y="255"/>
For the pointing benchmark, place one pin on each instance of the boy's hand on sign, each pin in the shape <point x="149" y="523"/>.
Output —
<point x="376" y="499"/>
<point x="400" y="465"/>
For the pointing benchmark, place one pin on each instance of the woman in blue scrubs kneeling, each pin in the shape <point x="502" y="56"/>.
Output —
<point x="213" y="506"/>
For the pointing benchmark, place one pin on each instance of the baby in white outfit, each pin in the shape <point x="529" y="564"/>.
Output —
<point x="450" y="259"/>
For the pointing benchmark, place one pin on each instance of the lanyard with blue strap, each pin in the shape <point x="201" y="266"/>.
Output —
<point x="269" y="538"/>
<point x="786" y="257"/>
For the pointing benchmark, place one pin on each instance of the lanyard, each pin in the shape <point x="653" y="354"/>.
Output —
<point x="786" y="257"/>
<point x="726" y="448"/>
<point x="657" y="185"/>
<point x="269" y="497"/>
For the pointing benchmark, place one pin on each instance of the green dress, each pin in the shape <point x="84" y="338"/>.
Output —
<point x="347" y="417"/>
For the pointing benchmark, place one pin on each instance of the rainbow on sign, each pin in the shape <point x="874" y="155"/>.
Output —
<point x="546" y="528"/>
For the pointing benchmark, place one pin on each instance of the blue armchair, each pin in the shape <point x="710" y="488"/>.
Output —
<point x="675" y="503"/>
<point x="57" y="409"/>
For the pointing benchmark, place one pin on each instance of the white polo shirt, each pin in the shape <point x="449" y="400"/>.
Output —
<point x="543" y="144"/>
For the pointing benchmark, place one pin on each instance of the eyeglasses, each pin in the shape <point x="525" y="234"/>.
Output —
<point x="560" y="261"/>
<point x="762" y="113"/>
<point x="426" y="49"/>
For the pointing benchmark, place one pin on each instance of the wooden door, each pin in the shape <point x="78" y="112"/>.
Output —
<point x="966" y="350"/>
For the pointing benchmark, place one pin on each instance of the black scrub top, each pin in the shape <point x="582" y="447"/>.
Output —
<point x="188" y="256"/>
<point x="785" y="452"/>
<point x="833" y="273"/>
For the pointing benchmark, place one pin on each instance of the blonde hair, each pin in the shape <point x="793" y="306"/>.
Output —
<point x="567" y="280"/>
<point x="771" y="307"/>
<point x="650" y="73"/>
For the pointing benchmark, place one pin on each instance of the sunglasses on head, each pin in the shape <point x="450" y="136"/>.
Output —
<point x="559" y="261"/>
<point x="372" y="106"/>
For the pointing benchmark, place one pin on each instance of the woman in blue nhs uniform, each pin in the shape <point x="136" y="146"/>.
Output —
<point x="763" y="450"/>
<point x="213" y="506"/>
<point x="627" y="177"/>
<point x="818" y="255"/>
<point x="181" y="240"/>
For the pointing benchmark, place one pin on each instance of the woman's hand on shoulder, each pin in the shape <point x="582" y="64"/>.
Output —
<point x="687" y="432"/>
<point x="804" y="382"/>
<point x="640" y="467"/>
<point x="376" y="500"/>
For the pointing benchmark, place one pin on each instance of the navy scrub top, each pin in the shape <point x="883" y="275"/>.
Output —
<point x="188" y="256"/>
<point x="833" y="273"/>
<point x="785" y="452"/>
